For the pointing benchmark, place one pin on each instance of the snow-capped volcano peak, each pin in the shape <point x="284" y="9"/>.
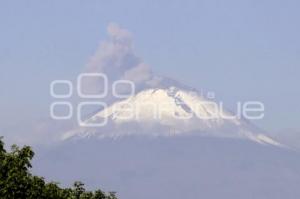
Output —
<point x="169" y="107"/>
<point x="166" y="112"/>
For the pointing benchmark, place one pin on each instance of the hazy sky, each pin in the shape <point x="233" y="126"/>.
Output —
<point x="241" y="50"/>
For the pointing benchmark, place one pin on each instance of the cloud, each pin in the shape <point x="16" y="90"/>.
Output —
<point x="117" y="59"/>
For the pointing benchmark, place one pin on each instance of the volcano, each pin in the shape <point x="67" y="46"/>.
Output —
<point x="167" y="112"/>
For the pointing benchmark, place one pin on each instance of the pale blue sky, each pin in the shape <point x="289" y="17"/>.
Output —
<point x="242" y="50"/>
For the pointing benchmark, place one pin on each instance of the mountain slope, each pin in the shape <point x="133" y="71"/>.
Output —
<point x="167" y="112"/>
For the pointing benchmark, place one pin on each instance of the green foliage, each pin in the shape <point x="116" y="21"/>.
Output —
<point x="16" y="181"/>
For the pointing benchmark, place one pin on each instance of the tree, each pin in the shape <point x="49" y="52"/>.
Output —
<point x="16" y="181"/>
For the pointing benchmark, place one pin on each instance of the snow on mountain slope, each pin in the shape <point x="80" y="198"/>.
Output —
<point x="167" y="112"/>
